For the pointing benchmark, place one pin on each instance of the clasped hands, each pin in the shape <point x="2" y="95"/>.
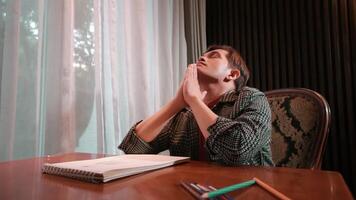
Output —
<point x="190" y="90"/>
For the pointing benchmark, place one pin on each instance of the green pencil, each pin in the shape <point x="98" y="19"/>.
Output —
<point x="227" y="189"/>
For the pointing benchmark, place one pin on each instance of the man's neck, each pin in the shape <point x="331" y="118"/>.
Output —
<point x="215" y="91"/>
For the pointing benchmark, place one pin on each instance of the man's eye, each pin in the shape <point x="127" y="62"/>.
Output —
<point x="214" y="55"/>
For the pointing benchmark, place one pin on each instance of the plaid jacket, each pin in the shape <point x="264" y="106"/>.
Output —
<point x="240" y="136"/>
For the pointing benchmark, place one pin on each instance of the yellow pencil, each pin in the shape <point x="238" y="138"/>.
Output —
<point x="271" y="189"/>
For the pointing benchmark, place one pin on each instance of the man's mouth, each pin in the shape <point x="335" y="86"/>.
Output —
<point x="201" y="64"/>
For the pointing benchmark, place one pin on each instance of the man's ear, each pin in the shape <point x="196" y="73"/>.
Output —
<point x="233" y="75"/>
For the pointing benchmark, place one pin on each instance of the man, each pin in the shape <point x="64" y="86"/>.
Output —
<point x="213" y="116"/>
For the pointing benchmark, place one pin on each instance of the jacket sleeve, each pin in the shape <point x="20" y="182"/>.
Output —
<point x="236" y="141"/>
<point x="133" y="144"/>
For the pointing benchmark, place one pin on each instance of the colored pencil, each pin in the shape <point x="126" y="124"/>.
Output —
<point x="224" y="196"/>
<point x="227" y="189"/>
<point x="271" y="189"/>
<point x="190" y="190"/>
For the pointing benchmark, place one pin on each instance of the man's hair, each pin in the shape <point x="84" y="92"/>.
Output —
<point x="235" y="61"/>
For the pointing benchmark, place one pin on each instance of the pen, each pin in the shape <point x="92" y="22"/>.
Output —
<point x="227" y="189"/>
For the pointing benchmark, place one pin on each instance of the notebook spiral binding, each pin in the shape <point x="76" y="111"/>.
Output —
<point x="73" y="173"/>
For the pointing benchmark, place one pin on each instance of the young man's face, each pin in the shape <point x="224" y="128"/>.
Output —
<point x="214" y="64"/>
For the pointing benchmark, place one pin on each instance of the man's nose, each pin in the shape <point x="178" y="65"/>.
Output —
<point x="202" y="59"/>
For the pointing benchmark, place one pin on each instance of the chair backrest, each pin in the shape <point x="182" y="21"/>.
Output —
<point x="300" y="125"/>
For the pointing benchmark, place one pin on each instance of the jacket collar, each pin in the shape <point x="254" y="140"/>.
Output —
<point x="229" y="96"/>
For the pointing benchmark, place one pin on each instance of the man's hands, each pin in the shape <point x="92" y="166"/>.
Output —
<point x="194" y="97"/>
<point x="179" y="98"/>
<point x="191" y="88"/>
<point x="188" y="94"/>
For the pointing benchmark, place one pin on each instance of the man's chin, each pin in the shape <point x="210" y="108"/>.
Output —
<point x="200" y="69"/>
<point x="200" y="65"/>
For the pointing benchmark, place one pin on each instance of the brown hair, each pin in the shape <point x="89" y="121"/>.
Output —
<point x="235" y="60"/>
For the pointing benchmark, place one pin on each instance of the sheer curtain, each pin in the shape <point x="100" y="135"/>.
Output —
<point x="75" y="75"/>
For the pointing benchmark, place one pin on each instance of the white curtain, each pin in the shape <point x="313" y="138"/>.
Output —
<point x="75" y="75"/>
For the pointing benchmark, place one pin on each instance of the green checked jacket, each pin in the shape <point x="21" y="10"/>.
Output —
<point x="240" y="136"/>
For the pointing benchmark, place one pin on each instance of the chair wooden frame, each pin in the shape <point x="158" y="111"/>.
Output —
<point x="325" y="118"/>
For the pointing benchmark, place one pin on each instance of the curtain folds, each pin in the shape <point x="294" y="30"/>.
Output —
<point x="11" y="32"/>
<point x="75" y="75"/>
<point x="195" y="28"/>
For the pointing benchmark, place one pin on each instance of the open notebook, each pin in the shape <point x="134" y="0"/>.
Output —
<point x="110" y="168"/>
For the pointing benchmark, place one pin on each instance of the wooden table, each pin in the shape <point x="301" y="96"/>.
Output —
<point x="23" y="179"/>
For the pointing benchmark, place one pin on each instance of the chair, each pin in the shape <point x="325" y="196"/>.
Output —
<point x="300" y="125"/>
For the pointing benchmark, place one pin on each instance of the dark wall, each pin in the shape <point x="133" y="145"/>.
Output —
<point x="299" y="43"/>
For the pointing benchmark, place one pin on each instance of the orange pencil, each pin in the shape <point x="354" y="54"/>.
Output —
<point x="271" y="189"/>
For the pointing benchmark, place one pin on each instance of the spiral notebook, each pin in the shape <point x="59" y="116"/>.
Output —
<point x="109" y="168"/>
